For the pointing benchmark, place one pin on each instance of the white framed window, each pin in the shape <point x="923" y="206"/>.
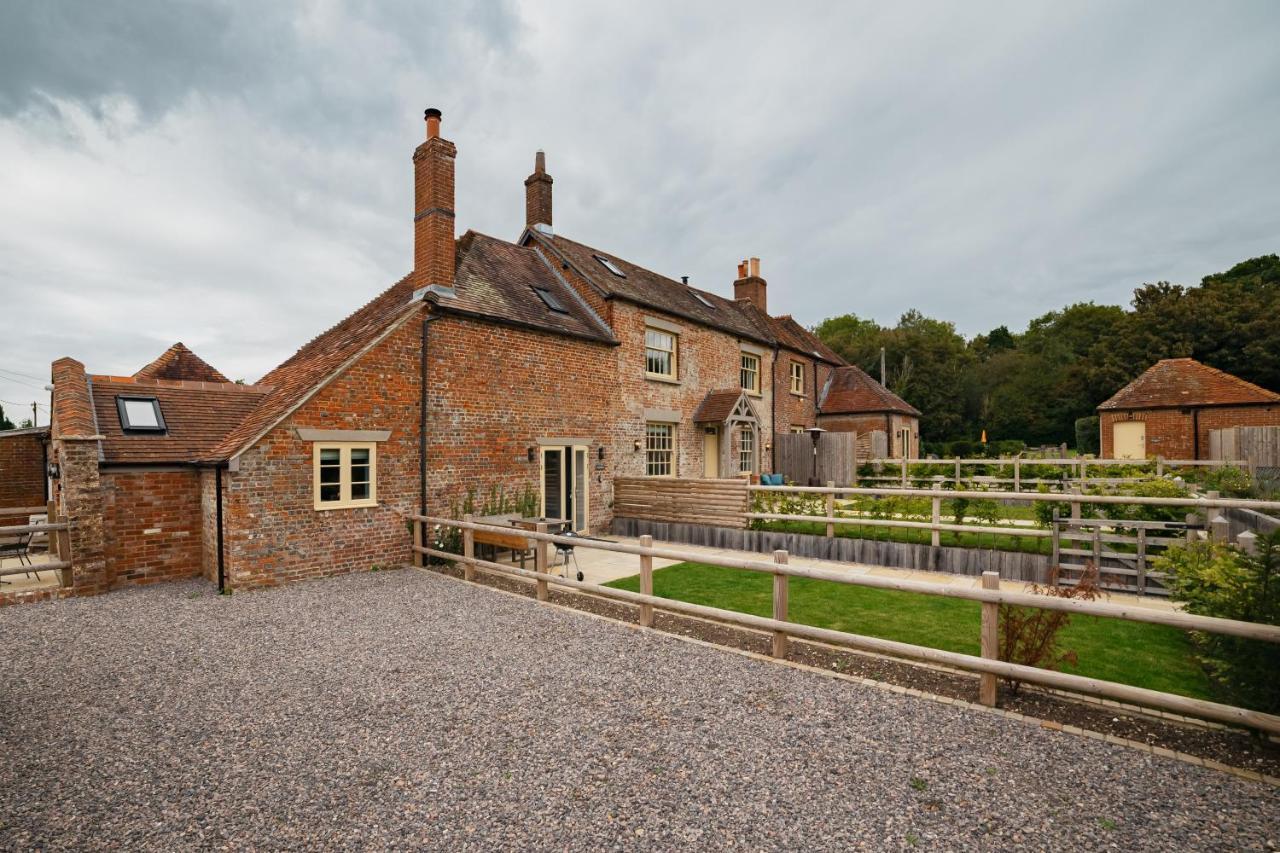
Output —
<point x="660" y="353"/>
<point x="659" y="449"/>
<point x="797" y="430"/>
<point x="750" y="372"/>
<point x="346" y="474"/>
<point x="797" y="377"/>
<point x="746" y="450"/>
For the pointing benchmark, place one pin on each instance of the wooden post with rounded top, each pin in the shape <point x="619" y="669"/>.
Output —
<point x="780" y="605"/>
<point x="831" y="509"/>
<point x="540" y="561"/>
<point x="468" y="549"/>
<point x="646" y="582"/>
<point x="419" y="559"/>
<point x="990" y="640"/>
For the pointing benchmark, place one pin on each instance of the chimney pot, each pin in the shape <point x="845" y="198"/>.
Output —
<point x="755" y="266"/>
<point x="540" y="162"/>
<point x="432" y="115"/>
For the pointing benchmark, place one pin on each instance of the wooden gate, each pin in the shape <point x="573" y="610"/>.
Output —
<point x="1121" y="549"/>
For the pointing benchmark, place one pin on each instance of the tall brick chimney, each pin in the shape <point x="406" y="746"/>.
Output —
<point x="537" y="194"/>
<point x="433" y="244"/>
<point x="750" y="286"/>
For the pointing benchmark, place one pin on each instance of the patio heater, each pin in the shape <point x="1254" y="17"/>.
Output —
<point x="815" y="432"/>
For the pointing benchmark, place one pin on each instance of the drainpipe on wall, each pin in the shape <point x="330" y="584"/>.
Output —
<point x="217" y="490"/>
<point x="773" y="419"/>
<point x="423" y="411"/>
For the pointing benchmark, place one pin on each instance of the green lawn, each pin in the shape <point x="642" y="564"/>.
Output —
<point x="1144" y="655"/>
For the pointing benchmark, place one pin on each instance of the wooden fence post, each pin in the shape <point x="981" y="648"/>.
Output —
<point x="468" y="549"/>
<point x="1220" y="529"/>
<point x="780" y="605"/>
<point x="831" y="509"/>
<point x="1056" y="556"/>
<point x="957" y="473"/>
<point x="990" y="641"/>
<point x="646" y="582"/>
<point x="540" y="560"/>
<point x="1193" y="520"/>
<point x="418" y="557"/>
<point x="59" y="544"/>
<point x="904" y="471"/>
<point x="1017" y="474"/>
<point x="935" y="535"/>
<point x="1097" y="551"/>
<point x="1142" y="560"/>
<point x="1075" y="505"/>
<point x="1159" y="466"/>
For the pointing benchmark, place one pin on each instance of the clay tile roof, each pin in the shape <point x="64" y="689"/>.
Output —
<point x="497" y="279"/>
<point x="301" y="373"/>
<point x="716" y="406"/>
<point x="645" y="287"/>
<point x="851" y="391"/>
<point x="178" y="362"/>
<point x="1177" y="382"/>
<point x="197" y="415"/>
<point x="791" y="335"/>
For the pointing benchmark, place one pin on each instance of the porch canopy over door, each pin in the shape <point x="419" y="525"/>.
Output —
<point x="731" y="410"/>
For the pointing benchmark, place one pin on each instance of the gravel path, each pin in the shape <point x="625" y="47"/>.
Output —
<point x="404" y="709"/>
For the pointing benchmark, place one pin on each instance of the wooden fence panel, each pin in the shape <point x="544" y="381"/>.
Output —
<point x="835" y="461"/>
<point x="698" y="501"/>
<point x="837" y="458"/>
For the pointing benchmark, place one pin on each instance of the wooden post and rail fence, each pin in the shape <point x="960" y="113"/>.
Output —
<point x="57" y="529"/>
<point x="1078" y="470"/>
<point x="987" y="664"/>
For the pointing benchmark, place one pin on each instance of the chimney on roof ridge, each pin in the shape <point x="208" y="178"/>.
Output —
<point x="750" y="286"/>
<point x="433" y="214"/>
<point x="537" y="194"/>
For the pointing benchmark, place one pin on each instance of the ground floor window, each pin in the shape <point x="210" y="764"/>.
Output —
<point x="345" y="474"/>
<point x="746" y="450"/>
<point x="659" y="449"/>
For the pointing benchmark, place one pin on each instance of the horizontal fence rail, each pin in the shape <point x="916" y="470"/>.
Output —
<point x="1054" y="497"/>
<point x="990" y="596"/>
<point x="59" y="546"/>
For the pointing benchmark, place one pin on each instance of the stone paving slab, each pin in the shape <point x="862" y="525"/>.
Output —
<point x="406" y="709"/>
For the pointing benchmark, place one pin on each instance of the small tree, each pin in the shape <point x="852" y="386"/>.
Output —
<point x="1029" y="635"/>
<point x="1088" y="439"/>
<point x="5" y="423"/>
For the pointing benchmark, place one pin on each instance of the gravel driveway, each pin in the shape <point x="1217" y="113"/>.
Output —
<point x="405" y="709"/>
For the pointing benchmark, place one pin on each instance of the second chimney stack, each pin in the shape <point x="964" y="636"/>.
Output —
<point x="537" y="194"/>
<point x="750" y="286"/>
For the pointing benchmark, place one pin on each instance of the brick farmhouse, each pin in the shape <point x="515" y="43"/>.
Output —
<point x="540" y="367"/>
<point x="1169" y="410"/>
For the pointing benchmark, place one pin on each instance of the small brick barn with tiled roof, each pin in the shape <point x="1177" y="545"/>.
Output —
<point x="1169" y="410"/>
<point x="851" y="401"/>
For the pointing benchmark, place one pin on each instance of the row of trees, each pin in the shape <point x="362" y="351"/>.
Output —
<point x="1033" y="385"/>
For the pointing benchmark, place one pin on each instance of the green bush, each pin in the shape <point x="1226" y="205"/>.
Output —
<point x="1221" y="580"/>
<point x="1230" y="482"/>
<point x="1088" y="437"/>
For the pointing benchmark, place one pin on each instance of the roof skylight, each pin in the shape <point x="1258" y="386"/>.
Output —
<point x="698" y="296"/>
<point x="610" y="266"/>
<point x="140" y="414"/>
<point x="549" y="299"/>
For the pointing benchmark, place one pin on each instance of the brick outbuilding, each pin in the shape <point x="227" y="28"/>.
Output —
<point x="1169" y="410"/>
<point x="530" y="372"/>
<point x="851" y="401"/>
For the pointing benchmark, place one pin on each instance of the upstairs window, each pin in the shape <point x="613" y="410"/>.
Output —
<point x="345" y="474"/>
<point x="659" y="450"/>
<point x="549" y="299"/>
<point x="750" y="372"/>
<point x="797" y="377"/>
<point x="140" y="414"/>
<point x="660" y="353"/>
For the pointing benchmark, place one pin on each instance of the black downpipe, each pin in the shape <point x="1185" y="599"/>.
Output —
<point x="422" y="425"/>
<point x="217" y="490"/>
<point x="773" y="425"/>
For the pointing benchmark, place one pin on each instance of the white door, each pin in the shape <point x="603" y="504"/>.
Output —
<point x="1129" y="439"/>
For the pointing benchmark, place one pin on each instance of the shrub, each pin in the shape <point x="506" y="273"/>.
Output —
<point x="1213" y="579"/>
<point x="1008" y="447"/>
<point x="1088" y="437"/>
<point x="1229" y="482"/>
<point x="1029" y="635"/>
<point x="965" y="449"/>
<point x="1145" y="512"/>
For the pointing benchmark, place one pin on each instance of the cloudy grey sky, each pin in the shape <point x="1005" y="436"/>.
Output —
<point x="237" y="175"/>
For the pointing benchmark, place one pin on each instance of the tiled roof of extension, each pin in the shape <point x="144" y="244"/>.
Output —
<point x="179" y="362"/>
<point x="197" y="416"/>
<point x="717" y="406"/>
<point x="648" y="288"/>
<point x="1179" y="382"/>
<point x="851" y="391"/>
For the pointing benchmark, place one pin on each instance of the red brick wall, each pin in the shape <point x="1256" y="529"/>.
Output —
<point x="1171" y="432"/>
<point x="22" y="471"/>
<point x="495" y="391"/>
<point x="272" y="531"/>
<point x="709" y="360"/>
<point x="797" y="410"/>
<point x="891" y="423"/>
<point x="152" y="525"/>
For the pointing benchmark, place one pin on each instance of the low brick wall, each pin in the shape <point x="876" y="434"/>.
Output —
<point x="1011" y="565"/>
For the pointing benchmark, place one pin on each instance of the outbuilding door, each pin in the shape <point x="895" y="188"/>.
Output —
<point x="711" y="452"/>
<point x="1130" y="439"/>
<point x="566" y="485"/>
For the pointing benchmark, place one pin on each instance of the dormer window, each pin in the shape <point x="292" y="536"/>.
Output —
<point x="610" y="266"/>
<point x="140" y="414"/>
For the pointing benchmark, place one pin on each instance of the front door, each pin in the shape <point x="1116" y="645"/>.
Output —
<point x="565" y="485"/>
<point x="1130" y="439"/>
<point x="711" y="452"/>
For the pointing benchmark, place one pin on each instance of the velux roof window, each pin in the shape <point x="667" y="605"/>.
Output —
<point x="698" y="296"/>
<point x="549" y="299"/>
<point x="610" y="266"/>
<point x="140" y="414"/>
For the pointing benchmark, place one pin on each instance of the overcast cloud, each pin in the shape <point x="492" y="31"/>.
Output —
<point x="237" y="175"/>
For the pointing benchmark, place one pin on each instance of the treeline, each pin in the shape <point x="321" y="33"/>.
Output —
<point x="1033" y="385"/>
